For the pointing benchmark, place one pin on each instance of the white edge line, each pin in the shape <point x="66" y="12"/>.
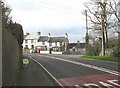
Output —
<point x="48" y="72"/>
<point x="87" y="65"/>
<point x="100" y="60"/>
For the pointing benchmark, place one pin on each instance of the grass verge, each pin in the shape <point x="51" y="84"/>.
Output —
<point x="105" y="58"/>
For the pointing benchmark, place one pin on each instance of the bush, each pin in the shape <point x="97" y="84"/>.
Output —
<point x="93" y="50"/>
<point x="116" y="52"/>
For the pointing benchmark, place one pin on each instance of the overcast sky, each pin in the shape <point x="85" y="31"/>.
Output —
<point x="50" y="16"/>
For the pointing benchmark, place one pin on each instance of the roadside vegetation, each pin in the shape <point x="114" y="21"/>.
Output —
<point x="102" y="30"/>
<point x="105" y="58"/>
<point x="7" y="23"/>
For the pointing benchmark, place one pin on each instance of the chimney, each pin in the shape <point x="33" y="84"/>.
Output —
<point x="39" y="33"/>
<point x="27" y="33"/>
<point x="49" y="35"/>
<point x="78" y="42"/>
<point x="66" y="35"/>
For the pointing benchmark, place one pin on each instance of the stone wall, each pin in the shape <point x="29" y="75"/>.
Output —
<point x="10" y="58"/>
<point x="0" y="45"/>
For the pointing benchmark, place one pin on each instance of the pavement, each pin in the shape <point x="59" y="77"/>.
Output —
<point x="34" y="75"/>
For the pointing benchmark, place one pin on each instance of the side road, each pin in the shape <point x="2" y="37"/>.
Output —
<point x="34" y="75"/>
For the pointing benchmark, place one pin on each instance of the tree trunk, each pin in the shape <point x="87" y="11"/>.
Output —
<point x="103" y="39"/>
<point x="103" y="32"/>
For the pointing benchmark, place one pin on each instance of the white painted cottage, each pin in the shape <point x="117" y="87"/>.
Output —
<point x="30" y="40"/>
<point x="45" y="44"/>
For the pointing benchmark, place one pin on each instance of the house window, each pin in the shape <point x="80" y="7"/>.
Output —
<point x="50" y="44"/>
<point x="32" y="46"/>
<point x="55" y="43"/>
<point x="60" y="43"/>
<point x="43" y="43"/>
<point x="32" y="41"/>
<point x="26" y="41"/>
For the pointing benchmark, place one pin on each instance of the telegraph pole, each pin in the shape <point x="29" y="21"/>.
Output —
<point x="86" y="38"/>
<point x="103" y="26"/>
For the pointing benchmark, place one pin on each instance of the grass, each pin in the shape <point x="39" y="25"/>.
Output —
<point x="105" y="58"/>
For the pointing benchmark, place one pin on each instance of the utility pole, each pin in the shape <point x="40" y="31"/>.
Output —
<point x="86" y="38"/>
<point x="103" y="26"/>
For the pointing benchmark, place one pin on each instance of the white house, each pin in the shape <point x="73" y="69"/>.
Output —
<point x="30" y="40"/>
<point x="45" y="43"/>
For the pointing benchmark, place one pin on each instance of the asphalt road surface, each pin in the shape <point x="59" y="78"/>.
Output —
<point x="71" y="70"/>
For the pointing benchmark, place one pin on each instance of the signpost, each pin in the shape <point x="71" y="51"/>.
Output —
<point x="25" y="63"/>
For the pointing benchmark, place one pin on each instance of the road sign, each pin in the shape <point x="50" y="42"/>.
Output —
<point x="97" y="81"/>
<point x="25" y="61"/>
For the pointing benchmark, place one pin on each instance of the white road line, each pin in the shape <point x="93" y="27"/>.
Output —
<point x="100" y="60"/>
<point x="48" y="72"/>
<point x="86" y="65"/>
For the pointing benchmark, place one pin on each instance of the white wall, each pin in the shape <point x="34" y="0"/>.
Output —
<point x="38" y="43"/>
<point x="29" y="44"/>
<point x="44" y="52"/>
<point x="56" y="52"/>
<point x="53" y="44"/>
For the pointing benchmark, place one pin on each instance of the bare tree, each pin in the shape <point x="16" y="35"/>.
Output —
<point x="6" y="10"/>
<point x="100" y="14"/>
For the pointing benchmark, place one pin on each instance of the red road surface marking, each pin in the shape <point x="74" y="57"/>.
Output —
<point x="100" y="80"/>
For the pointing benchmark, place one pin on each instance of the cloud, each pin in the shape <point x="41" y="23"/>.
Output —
<point x="55" y="16"/>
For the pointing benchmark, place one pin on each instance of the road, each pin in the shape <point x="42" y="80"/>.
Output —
<point x="71" y="70"/>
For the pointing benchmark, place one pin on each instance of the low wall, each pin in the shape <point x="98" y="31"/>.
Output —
<point x="10" y="58"/>
<point x="44" y="52"/>
<point x="56" y="52"/>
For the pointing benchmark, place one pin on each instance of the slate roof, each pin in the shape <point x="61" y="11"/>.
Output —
<point x="58" y="39"/>
<point x="71" y="45"/>
<point x="76" y="45"/>
<point x="43" y="39"/>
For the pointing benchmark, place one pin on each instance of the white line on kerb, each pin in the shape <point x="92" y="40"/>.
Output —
<point x="48" y="72"/>
<point x="86" y="65"/>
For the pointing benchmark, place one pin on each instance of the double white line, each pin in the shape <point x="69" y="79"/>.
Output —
<point x="87" y="65"/>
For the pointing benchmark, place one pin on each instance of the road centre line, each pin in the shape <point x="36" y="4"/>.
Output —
<point x="86" y="65"/>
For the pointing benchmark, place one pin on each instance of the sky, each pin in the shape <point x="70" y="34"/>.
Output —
<point x="50" y="16"/>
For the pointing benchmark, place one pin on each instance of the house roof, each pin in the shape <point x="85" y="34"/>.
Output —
<point x="34" y="36"/>
<point x="43" y="39"/>
<point x="58" y="39"/>
<point x="76" y="45"/>
<point x="70" y="45"/>
<point x="80" y="45"/>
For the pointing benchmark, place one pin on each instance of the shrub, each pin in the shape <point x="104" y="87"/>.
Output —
<point x="116" y="52"/>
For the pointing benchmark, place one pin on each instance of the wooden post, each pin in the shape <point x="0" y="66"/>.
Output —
<point x="86" y="39"/>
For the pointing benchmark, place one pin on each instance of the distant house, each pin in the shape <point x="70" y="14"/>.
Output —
<point x="78" y="48"/>
<point x="58" y="43"/>
<point x="46" y="43"/>
<point x="30" y="40"/>
<point x="42" y="43"/>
